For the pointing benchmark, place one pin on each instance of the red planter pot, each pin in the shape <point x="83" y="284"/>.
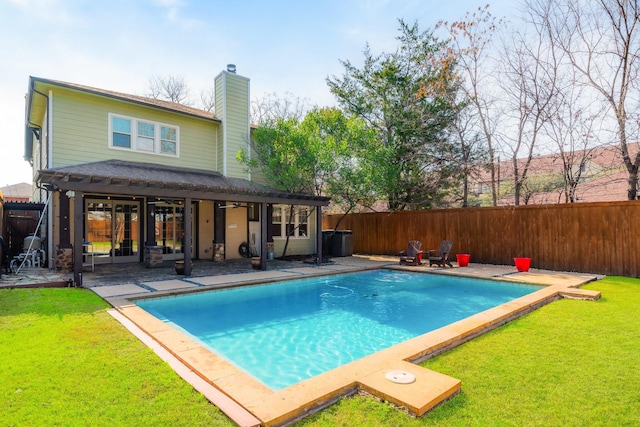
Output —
<point x="463" y="259"/>
<point x="522" y="264"/>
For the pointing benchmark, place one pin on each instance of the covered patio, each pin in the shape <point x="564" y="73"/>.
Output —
<point x="146" y="186"/>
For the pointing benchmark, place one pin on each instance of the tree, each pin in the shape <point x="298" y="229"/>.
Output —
<point x="319" y="155"/>
<point x="401" y="96"/>
<point x="600" y="39"/>
<point x="344" y="169"/>
<point x="208" y="100"/>
<point x="530" y="70"/>
<point x="272" y="107"/>
<point x="170" y="88"/>
<point x="472" y="156"/>
<point x="573" y="129"/>
<point x="281" y="150"/>
<point x="468" y="45"/>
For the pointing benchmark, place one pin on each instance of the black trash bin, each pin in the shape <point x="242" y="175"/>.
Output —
<point x="342" y="244"/>
<point x="326" y="242"/>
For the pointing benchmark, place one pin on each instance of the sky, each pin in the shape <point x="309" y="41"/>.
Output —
<point x="283" y="47"/>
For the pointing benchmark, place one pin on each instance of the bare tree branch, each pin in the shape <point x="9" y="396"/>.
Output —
<point x="170" y="88"/>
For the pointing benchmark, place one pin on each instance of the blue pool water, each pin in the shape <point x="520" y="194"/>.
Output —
<point x="287" y="332"/>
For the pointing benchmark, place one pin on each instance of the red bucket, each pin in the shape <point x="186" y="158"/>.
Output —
<point x="463" y="259"/>
<point x="522" y="264"/>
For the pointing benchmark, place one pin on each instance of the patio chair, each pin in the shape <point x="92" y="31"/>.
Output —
<point x="413" y="254"/>
<point x="441" y="256"/>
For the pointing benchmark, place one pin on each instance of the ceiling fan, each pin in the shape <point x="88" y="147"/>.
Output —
<point x="233" y="206"/>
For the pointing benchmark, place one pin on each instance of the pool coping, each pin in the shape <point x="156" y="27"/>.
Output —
<point x="249" y="402"/>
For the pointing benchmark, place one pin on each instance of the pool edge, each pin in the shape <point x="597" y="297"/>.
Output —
<point x="297" y="401"/>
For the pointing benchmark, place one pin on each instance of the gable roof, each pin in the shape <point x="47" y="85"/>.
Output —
<point x="153" y="180"/>
<point x="136" y="99"/>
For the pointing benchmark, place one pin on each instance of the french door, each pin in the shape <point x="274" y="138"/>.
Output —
<point x="112" y="230"/>
<point x="169" y="230"/>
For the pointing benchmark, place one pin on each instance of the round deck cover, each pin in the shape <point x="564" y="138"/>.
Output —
<point x="400" y="377"/>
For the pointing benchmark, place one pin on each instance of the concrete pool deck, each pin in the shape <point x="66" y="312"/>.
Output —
<point x="248" y="402"/>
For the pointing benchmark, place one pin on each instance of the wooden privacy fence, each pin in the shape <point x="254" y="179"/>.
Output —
<point x="601" y="238"/>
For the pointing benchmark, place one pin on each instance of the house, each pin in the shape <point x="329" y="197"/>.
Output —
<point x="132" y="179"/>
<point x="598" y="172"/>
<point x="17" y="192"/>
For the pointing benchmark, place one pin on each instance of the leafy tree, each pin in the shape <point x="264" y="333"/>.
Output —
<point x="402" y="97"/>
<point x="318" y="155"/>
<point x="282" y="152"/>
<point x="345" y="172"/>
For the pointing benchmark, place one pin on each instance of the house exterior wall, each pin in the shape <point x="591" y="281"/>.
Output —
<point x="81" y="123"/>
<point x="298" y="245"/>
<point x="236" y="232"/>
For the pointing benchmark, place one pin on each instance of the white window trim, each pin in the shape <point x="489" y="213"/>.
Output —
<point x="157" y="145"/>
<point x="296" y="219"/>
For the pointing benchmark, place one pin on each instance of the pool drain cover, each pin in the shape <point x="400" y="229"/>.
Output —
<point x="400" y="377"/>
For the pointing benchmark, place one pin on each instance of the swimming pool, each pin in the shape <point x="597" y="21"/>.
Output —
<point x="286" y="332"/>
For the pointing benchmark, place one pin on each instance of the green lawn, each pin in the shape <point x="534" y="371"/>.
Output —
<point x="65" y="361"/>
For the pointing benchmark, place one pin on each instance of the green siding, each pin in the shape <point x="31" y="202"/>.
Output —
<point x="237" y="123"/>
<point x="232" y="106"/>
<point x="81" y="123"/>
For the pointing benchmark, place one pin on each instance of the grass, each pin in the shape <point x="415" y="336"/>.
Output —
<point x="65" y="361"/>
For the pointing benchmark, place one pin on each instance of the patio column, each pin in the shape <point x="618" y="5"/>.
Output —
<point x="151" y="225"/>
<point x="263" y="236"/>
<point x="318" y="235"/>
<point x="78" y="237"/>
<point x="219" y="233"/>
<point x="187" y="236"/>
<point x="65" y="221"/>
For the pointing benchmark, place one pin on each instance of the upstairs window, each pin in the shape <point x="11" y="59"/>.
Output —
<point x="121" y="132"/>
<point x="129" y="133"/>
<point x="146" y="138"/>
<point x="169" y="140"/>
